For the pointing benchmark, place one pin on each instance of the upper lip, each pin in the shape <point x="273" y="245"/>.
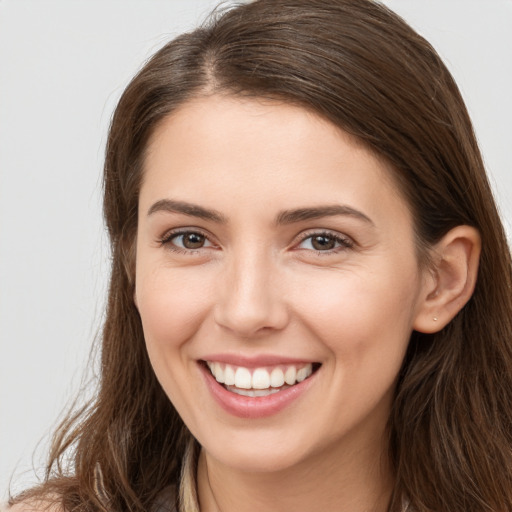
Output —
<point x="256" y="360"/>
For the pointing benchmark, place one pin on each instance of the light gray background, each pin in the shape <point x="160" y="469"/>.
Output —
<point x="63" y="65"/>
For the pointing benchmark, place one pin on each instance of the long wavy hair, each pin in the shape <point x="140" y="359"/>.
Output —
<point x="361" y="67"/>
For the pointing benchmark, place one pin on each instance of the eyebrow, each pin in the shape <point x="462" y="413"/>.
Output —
<point x="284" y="217"/>
<point x="302" y="214"/>
<point x="194" y="210"/>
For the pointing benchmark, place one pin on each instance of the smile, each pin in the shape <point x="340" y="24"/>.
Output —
<point x="259" y="382"/>
<point x="257" y="387"/>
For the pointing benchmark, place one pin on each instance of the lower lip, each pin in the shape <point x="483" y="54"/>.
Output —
<point x="254" y="407"/>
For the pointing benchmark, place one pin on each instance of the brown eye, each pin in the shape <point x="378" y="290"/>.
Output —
<point x="323" y="242"/>
<point x="191" y="240"/>
<point x="186" y="241"/>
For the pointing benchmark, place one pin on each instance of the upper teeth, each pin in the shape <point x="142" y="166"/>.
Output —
<point x="259" y="378"/>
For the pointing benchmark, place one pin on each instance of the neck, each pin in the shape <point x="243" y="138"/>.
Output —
<point x="345" y="480"/>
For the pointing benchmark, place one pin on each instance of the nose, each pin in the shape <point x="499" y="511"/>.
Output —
<point x="251" y="300"/>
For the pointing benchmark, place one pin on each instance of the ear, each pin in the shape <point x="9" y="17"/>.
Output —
<point x="451" y="280"/>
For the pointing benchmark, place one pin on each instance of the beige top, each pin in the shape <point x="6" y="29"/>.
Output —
<point x="161" y="505"/>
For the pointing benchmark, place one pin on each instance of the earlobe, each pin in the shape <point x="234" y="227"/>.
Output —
<point x="451" y="280"/>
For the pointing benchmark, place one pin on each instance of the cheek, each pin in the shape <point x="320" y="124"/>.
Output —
<point x="358" y="312"/>
<point x="172" y="303"/>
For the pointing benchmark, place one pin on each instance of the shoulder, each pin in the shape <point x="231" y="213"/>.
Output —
<point x="32" y="506"/>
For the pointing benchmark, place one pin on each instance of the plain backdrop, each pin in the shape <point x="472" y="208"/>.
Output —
<point x="63" y="66"/>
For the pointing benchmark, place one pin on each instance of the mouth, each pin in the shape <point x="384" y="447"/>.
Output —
<point x="259" y="381"/>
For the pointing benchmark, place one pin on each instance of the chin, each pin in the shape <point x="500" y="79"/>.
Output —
<point x="259" y="461"/>
<point x="261" y="452"/>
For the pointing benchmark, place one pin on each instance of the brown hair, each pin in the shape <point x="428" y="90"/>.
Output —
<point x="363" y="68"/>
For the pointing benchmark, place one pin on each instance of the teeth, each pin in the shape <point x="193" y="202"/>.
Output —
<point x="217" y="372"/>
<point x="229" y="375"/>
<point x="277" y="378"/>
<point x="302" y="374"/>
<point x="253" y="392"/>
<point x="261" y="381"/>
<point x="242" y="378"/>
<point x="290" y="375"/>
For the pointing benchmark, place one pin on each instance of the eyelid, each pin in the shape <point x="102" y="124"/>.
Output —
<point x="166" y="238"/>
<point x="345" y="241"/>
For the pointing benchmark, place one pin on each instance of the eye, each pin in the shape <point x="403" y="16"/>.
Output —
<point x="186" y="240"/>
<point x="325" y="242"/>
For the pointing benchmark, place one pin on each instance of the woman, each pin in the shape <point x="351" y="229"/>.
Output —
<point x="310" y="302"/>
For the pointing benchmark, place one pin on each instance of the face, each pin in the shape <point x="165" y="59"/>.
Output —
<point x="277" y="281"/>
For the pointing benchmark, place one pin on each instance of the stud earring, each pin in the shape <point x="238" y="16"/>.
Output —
<point x="435" y="319"/>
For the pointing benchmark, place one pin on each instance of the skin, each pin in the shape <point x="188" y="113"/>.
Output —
<point x="260" y="287"/>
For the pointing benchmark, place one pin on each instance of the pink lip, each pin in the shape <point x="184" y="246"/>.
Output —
<point x="254" y="361"/>
<point x="254" y="407"/>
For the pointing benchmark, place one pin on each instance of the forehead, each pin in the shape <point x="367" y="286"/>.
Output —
<point x="215" y="149"/>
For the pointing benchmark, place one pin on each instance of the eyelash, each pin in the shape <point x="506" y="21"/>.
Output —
<point x="342" y="241"/>
<point x="167" y="239"/>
